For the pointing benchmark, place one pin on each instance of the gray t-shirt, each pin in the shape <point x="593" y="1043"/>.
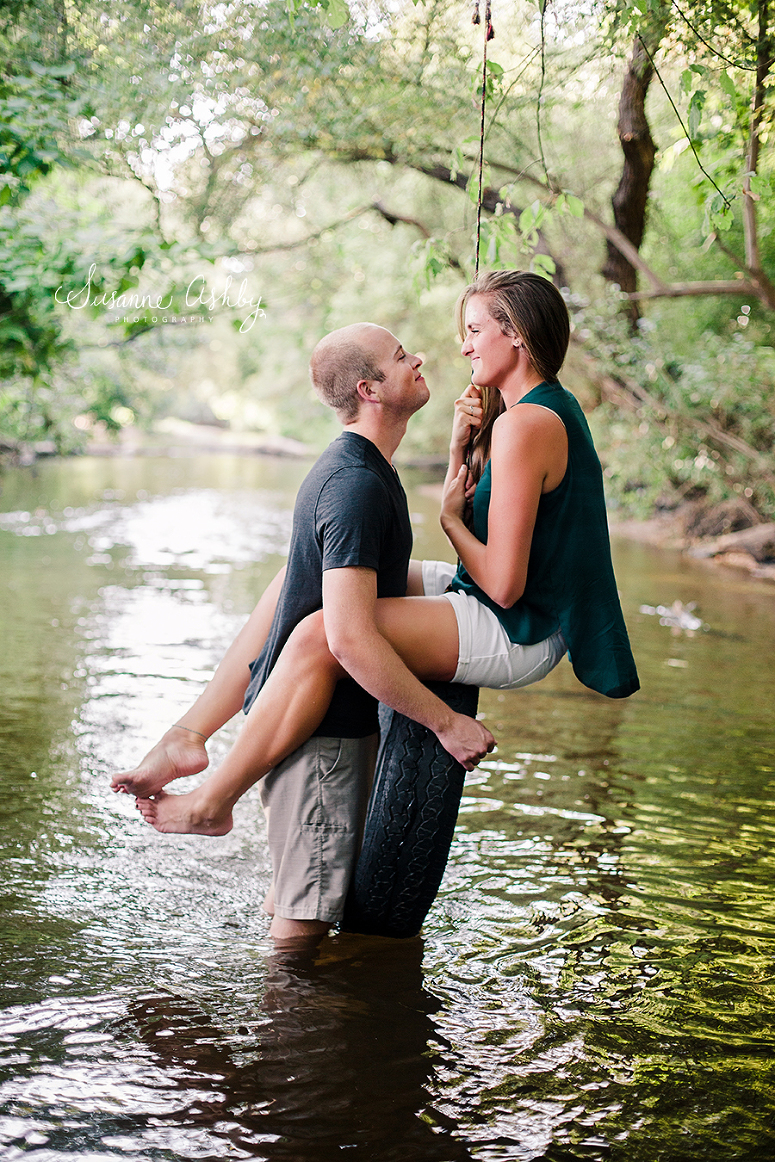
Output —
<point x="350" y="511"/>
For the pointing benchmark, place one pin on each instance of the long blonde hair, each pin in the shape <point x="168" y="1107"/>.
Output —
<point x="525" y="305"/>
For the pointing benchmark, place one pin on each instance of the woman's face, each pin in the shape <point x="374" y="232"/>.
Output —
<point x="494" y="356"/>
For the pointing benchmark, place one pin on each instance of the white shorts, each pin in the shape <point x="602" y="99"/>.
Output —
<point x="486" y="656"/>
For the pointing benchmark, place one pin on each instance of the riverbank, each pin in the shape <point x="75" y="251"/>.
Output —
<point x="750" y="549"/>
<point x="727" y="535"/>
<point x="169" y="437"/>
<point x="172" y="436"/>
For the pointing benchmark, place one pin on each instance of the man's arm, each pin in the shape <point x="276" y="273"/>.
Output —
<point x="349" y="614"/>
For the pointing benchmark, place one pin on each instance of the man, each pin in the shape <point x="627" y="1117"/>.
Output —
<point x="351" y="544"/>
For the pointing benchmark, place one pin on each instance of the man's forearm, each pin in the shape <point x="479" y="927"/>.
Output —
<point x="375" y="666"/>
<point x="357" y="643"/>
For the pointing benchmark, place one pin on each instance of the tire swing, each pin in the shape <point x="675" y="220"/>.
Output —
<point x="417" y="785"/>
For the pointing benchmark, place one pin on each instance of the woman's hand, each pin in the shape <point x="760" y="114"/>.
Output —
<point x="457" y="490"/>
<point x="468" y="417"/>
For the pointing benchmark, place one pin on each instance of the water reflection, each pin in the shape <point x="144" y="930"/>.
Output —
<point x="337" y="1057"/>
<point x="338" y="1053"/>
<point x="596" y="978"/>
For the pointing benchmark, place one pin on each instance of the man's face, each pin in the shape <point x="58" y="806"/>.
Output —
<point x="403" y="386"/>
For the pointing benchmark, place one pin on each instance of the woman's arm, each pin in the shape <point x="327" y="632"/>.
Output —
<point x="529" y="457"/>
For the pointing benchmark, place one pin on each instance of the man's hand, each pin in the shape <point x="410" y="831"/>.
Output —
<point x="466" y="740"/>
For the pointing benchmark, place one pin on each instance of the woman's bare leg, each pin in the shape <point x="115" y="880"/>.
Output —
<point x="181" y="750"/>
<point x="293" y="702"/>
<point x="290" y="706"/>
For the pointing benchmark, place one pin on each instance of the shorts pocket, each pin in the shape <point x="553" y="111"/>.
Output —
<point x="329" y="752"/>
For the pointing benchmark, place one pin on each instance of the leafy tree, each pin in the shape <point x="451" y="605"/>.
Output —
<point x="50" y="95"/>
<point x="726" y="51"/>
<point x="279" y="145"/>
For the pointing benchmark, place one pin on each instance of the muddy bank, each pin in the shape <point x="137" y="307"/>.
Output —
<point x="724" y="534"/>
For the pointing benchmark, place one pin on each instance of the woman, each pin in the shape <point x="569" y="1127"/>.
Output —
<point x="535" y="577"/>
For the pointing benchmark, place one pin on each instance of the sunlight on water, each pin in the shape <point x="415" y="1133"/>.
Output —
<point x="595" y="979"/>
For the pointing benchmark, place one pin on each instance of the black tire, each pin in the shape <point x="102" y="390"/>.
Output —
<point x="410" y="823"/>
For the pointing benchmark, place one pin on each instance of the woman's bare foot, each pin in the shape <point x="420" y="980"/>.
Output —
<point x="178" y="753"/>
<point x="190" y="814"/>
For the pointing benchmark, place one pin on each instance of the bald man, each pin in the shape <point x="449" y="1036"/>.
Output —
<point x="351" y="544"/>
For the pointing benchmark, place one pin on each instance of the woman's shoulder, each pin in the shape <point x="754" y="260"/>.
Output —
<point x="525" y="420"/>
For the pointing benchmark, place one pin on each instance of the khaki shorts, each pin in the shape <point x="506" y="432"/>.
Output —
<point x="315" y="803"/>
<point x="486" y="655"/>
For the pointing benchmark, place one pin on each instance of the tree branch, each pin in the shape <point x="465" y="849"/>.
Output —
<point x="394" y="219"/>
<point x="679" y="290"/>
<point x="307" y="238"/>
<point x="630" y="252"/>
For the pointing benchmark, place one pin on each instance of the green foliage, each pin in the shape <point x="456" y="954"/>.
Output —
<point x="50" y="257"/>
<point x="431" y="260"/>
<point x="336" y="11"/>
<point x="698" y="424"/>
<point x="35" y="111"/>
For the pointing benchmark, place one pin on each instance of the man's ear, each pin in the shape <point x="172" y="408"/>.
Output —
<point x="368" y="390"/>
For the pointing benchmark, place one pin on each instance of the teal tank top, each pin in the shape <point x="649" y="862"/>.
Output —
<point x="570" y="578"/>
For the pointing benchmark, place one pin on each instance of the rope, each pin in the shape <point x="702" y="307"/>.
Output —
<point x="488" y="35"/>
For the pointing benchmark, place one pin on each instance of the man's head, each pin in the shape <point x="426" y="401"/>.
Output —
<point x="365" y="363"/>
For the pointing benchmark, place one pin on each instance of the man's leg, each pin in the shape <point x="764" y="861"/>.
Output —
<point x="316" y="804"/>
<point x="181" y="750"/>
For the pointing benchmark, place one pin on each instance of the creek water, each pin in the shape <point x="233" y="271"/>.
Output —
<point x="594" y="981"/>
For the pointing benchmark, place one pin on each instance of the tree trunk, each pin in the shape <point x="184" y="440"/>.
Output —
<point x="763" y="67"/>
<point x="629" y="201"/>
